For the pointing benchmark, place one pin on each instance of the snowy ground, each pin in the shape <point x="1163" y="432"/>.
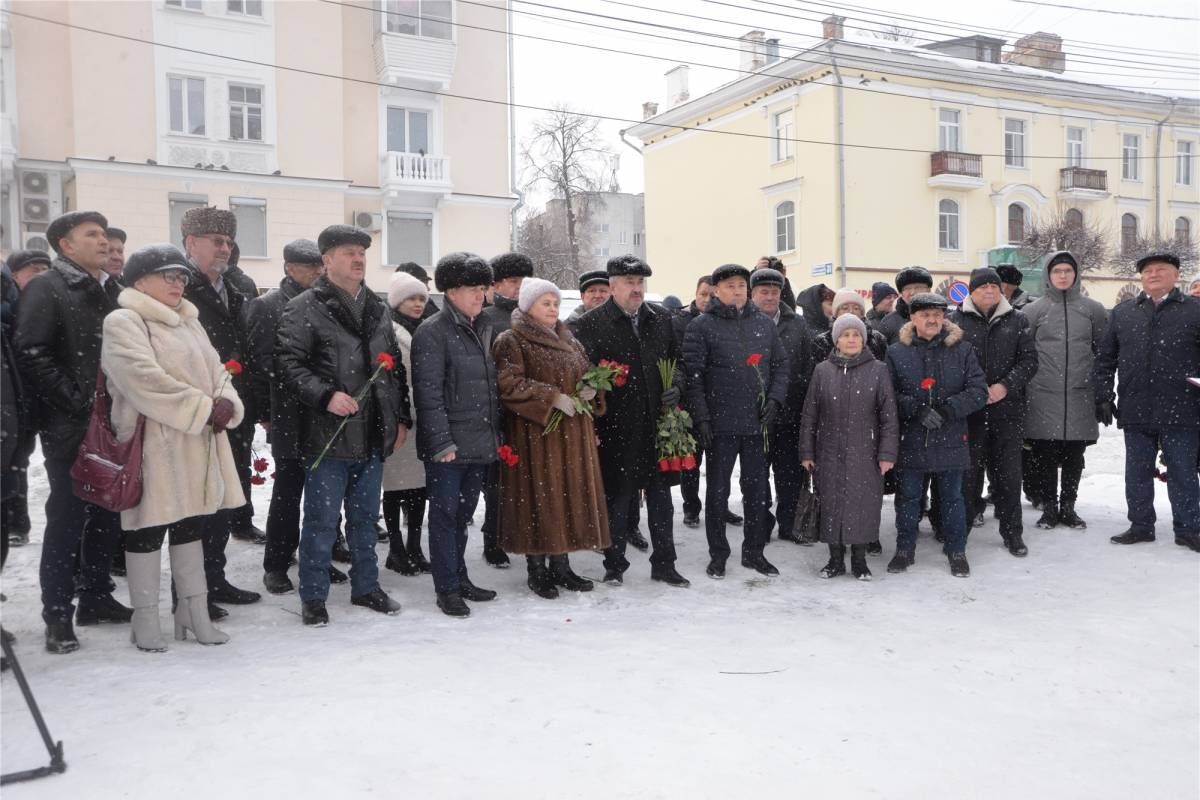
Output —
<point x="1072" y="673"/>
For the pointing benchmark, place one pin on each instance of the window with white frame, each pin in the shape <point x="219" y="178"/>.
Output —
<point x="948" y="225"/>
<point x="186" y="105"/>
<point x="407" y="130"/>
<point x="1183" y="231"/>
<point x="410" y="238"/>
<point x="1183" y="163"/>
<point x="251" y="215"/>
<point x="1131" y="157"/>
<point x="177" y="206"/>
<point x="1017" y="223"/>
<point x="189" y="5"/>
<point x="622" y="237"/>
<point x="785" y="226"/>
<point x="429" y="18"/>
<point x="1014" y="142"/>
<point x="1075" y="139"/>
<point x="248" y="8"/>
<point x="1129" y="233"/>
<point x="245" y="112"/>
<point x="948" y="129"/>
<point x="782" y="133"/>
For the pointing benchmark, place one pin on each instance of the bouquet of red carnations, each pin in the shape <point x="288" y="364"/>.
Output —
<point x="673" y="435"/>
<point x="601" y="378"/>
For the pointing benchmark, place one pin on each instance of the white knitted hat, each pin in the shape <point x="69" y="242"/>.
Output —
<point x="532" y="289"/>
<point x="403" y="287"/>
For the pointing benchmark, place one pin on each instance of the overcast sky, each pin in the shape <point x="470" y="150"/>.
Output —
<point x="617" y="83"/>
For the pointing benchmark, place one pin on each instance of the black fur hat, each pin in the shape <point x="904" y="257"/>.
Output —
<point x="911" y="275"/>
<point x="511" y="265"/>
<point x="726" y="271"/>
<point x="628" y="264"/>
<point x="454" y="270"/>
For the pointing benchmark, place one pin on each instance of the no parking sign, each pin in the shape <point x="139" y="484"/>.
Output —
<point x="958" y="292"/>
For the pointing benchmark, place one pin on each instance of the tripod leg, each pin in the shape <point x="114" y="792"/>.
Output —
<point x="57" y="764"/>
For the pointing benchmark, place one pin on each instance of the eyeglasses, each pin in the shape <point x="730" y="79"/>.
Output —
<point x="176" y="277"/>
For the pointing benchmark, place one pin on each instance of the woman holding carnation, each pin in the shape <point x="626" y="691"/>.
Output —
<point x="551" y="493"/>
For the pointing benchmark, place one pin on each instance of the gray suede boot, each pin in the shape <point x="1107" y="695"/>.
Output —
<point x="191" y="612"/>
<point x="142" y="572"/>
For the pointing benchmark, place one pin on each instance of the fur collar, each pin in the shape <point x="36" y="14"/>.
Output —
<point x="150" y="309"/>
<point x="951" y="334"/>
<point x="529" y="330"/>
<point x="1004" y="307"/>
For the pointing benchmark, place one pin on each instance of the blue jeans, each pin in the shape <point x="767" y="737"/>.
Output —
<point x="1179" y="446"/>
<point x="358" y="486"/>
<point x="910" y="486"/>
<point x="453" y="495"/>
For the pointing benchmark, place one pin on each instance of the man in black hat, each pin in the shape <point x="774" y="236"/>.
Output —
<point x="883" y="301"/>
<point x="737" y="382"/>
<point x="208" y="235"/>
<point x="1152" y="344"/>
<point x="59" y="329"/>
<point x="332" y="339"/>
<point x="786" y="295"/>
<point x="1009" y="359"/>
<point x="909" y="281"/>
<point x="279" y="413"/>
<point x="1010" y="286"/>
<point x="593" y="293"/>
<point x="24" y="265"/>
<point x="419" y="272"/>
<point x="630" y="331"/>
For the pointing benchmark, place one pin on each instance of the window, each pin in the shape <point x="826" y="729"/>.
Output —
<point x="948" y="138"/>
<point x="250" y="8"/>
<point x="638" y="238"/>
<point x="177" y="206"/>
<point x="186" y="97"/>
<point x="430" y="18"/>
<point x="785" y="226"/>
<point x="948" y="225"/>
<point x="782" y="135"/>
<point x="604" y="227"/>
<point x="622" y="237"/>
<point x="1014" y="142"/>
<point x="1016" y="223"/>
<point x="1129" y="233"/>
<point x="604" y="252"/>
<point x="410" y="238"/>
<point x="1075" y="147"/>
<point x="1131" y="152"/>
<point x="251" y="217"/>
<point x="245" y="112"/>
<point x="1073" y="218"/>
<point x="1183" y="231"/>
<point x="1183" y="163"/>
<point x="407" y="131"/>
<point x="190" y="5"/>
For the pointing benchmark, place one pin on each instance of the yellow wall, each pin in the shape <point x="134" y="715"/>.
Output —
<point x="310" y="135"/>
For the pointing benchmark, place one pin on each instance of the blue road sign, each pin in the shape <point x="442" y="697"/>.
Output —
<point x="958" y="292"/>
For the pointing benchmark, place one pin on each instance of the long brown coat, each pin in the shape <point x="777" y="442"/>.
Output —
<point x="552" y="501"/>
<point x="849" y="426"/>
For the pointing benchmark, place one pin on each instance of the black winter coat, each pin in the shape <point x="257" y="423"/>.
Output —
<point x="272" y="402"/>
<point x="808" y="304"/>
<point x="454" y="388"/>
<point x="798" y="344"/>
<point x="891" y="324"/>
<point x="628" y="453"/>
<point x="245" y="285"/>
<point x="498" y="316"/>
<point x="60" y="322"/>
<point x="1005" y="351"/>
<point x="723" y="389"/>
<point x="958" y="391"/>
<point x="877" y="343"/>
<point x="1153" y="349"/>
<point x="320" y="350"/>
<point x="17" y="437"/>
<point x="680" y="321"/>
<point x="226" y="329"/>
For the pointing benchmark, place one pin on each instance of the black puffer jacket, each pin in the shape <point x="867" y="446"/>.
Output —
<point x="272" y="402"/>
<point x="226" y="329"/>
<point x="1005" y="351"/>
<point x="16" y="434"/>
<point x="797" y="342"/>
<point x="723" y="388"/>
<point x="498" y="316"/>
<point x="808" y="304"/>
<point x="454" y="388"/>
<point x="60" y="322"/>
<point x="321" y="349"/>
<point x="1153" y="349"/>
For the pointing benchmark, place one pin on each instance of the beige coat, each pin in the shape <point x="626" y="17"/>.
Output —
<point x="403" y="470"/>
<point x="172" y="377"/>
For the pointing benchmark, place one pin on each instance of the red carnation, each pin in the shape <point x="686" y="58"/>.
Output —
<point x="512" y="460"/>
<point x="753" y="359"/>
<point x="257" y="480"/>
<point x="620" y="380"/>
<point x="689" y="461"/>
<point x="676" y="463"/>
<point x="504" y="451"/>
<point x="664" y="465"/>
<point x="927" y="384"/>
<point x="386" y="360"/>
<point x="233" y="366"/>
<point x="261" y="464"/>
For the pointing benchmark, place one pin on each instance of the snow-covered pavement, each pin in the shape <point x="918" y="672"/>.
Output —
<point x="1073" y="673"/>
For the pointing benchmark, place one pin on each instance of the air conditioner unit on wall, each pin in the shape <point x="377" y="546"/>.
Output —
<point x="367" y="220"/>
<point x="41" y="200"/>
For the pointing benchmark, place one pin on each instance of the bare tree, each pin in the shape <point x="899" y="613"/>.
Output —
<point x="894" y="33"/>
<point x="566" y="155"/>
<point x="1183" y="249"/>
<point x="1067" y="230"/>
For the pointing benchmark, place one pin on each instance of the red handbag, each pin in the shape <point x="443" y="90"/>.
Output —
<point x="108" y="472"/>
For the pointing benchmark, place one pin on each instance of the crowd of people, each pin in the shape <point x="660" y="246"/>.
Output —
<point x="396" y="404"/>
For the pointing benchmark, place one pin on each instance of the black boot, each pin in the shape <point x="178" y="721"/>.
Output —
<point x="1133" y="537"/>
<point x="1049" y="518"/>
<point x="336" y="575"/>
<point x="540" y="582"/>
<point x="1068" y="517"/>
<point x="452" y="605"/>
<point x="560" y="567"/>
<point x="1016" y="545"/>
<point x="496" y="557"/>
<point x="637" y="541"/>
<point x="414" y="549"/>
<point x="225" y="592"/>
<point x="837" y="562"/>
<point x="1190" y="541"/>
<point x="959" y="567"/>
<point x="314" y="614"/>
<point x="399" y="561"/>
<point x="469" y="591"/>
<point x="758" y="562"/>
<point x="95" y="609"/>
<point x="668" y="575"/>
<point x="278" y="582"/>
<point x="901" y="561"/>
<point x="858" y="562"/>
<point x="60" y="638"/>
<point x="874" y="548"/>
<point x="249" y="532"/>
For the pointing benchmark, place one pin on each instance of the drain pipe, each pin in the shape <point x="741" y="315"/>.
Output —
<point x="627" y="143"/>
<point x="512" y="140"/>
<point x="841" y="166"/>
<point x="1158" y="128"/>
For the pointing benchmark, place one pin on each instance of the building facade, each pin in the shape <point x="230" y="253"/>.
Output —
<point x="852" y="159"/>
<point x="295" y="115"/>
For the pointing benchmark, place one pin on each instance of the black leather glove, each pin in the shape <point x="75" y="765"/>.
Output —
<point x="670" y="397"/>
<point x="704" y="435"/>
<point x="221" y="414"/>
<point x="1104" y="413"/>
<point x="932" y="418"/>
<point x="769" y="413"/>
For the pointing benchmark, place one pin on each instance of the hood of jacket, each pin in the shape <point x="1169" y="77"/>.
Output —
<point x="1049" y="289"/>
<point x="808" y="302"/>
<point x="950" y="335"/>
<point x="150" y="309"/>
<point x="1004" y="307"/>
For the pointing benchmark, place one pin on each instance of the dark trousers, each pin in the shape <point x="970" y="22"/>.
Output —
<point x="1179" y="446"/>
<point x="1046" y="458"/>
<point x="453" y="495"/>
<point x="283" y="518"/>
<point x="411" y="504"/>
<point x="995" y="448"/>
<point x="355" y="484"/>
<point x="66" y="519"/>
<point x="910" y="485"/>
<point x="150" y="540"/>
<point x="784" y="458"/>
<point x="725" y="451"/>
<point x="689" y="487"/>
<point x="660" y="512"/>
<point x="491" y="508"/>
<point x="241" y="440"/>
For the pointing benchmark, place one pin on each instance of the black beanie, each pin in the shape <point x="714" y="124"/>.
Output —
<point x="984" y="276"/>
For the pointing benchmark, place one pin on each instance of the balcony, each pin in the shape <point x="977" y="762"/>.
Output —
<point x="1077" y="183"/>
<point x="412" y="175"/>
<point x="957" y="171"/>
<point x="421" y="62"/>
